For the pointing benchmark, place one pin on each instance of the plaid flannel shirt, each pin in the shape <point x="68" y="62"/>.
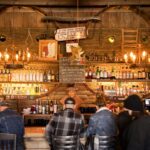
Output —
<point x="66" y="122"/>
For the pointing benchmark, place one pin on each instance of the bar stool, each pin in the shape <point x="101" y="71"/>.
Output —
<point x="65" y="142"/>
<point x="104" y="142"/>
<point x="7" y="141"/>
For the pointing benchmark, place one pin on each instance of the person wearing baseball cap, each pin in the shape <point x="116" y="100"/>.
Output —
<point x="65" y="122"/>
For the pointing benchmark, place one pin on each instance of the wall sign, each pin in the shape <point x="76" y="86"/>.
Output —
<point x="71" y="72"/>
<point x="71" y="33"/>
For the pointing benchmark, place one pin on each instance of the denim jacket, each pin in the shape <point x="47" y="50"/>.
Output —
<point x="11" y="122"/>
<point x="102" y="123"/>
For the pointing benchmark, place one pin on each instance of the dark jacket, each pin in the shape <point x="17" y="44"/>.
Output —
<point x="11" y="122"/>
<point x="137" y="135"/>
<point x="123" y="121"/>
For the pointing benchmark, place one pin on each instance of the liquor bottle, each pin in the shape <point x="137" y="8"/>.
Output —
<point x="93" y="73"/>
<point x="45" y="77"/>
<point x="57" y="76"/>
<point x="143" y="74"/>
<point x="37" y="106"/>
<point x="105" y="74"/>
<point x="43" y="109"/>
<point x="101" y="74"/>
<point x="51" y="109"/>
<point x="97" y="73"/>
<point x="47" y="107"/>
<point x="40" y="107"/>
<point x="90" y="73"/>
<point x="112" y="73"/>
<point x="49" y="76"/>
<point x="86" y="72"/>
<point x="55" y="106"/>
<point x="52" y="76"/>
<point x="9" y="75"/>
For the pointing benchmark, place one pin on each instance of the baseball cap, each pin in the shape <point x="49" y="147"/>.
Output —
<point x="69" y="100"/>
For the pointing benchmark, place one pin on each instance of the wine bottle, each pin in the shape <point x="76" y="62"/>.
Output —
<point x="45" y="77"/>
<point x="51" y="107"/>
<point x="55" y="106"/>
<point x="47" y="107"/>
<point x="40" y="107"/>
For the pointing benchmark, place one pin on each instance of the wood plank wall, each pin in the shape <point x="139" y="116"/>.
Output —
<point x="15" y="23"/>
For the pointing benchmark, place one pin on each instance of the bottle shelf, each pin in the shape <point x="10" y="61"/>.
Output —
<point x="117" y="80"/>
<point x="31" y="82"/>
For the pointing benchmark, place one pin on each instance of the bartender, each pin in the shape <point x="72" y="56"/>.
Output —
<point x="72" y="93"/>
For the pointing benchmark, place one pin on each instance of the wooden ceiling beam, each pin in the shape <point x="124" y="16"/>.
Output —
<point x="73" y="3"/>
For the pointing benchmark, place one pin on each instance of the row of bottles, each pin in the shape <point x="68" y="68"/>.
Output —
<point x="96" y="72"/>
<point x="22" y="89"/>
<point x="28" y="76"/>
<point x="125" y="89"/>
<point x="49" y="107"/>
<point x="106" y="57"/>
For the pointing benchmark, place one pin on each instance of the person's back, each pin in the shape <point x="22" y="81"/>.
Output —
<point x="137" y="135"/>
<point x="66" y="122"/>
<point x="102" y="123"/>
<point x="11" y="122"/>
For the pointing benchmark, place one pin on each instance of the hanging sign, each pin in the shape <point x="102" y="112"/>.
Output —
<point x="71" y="33"/>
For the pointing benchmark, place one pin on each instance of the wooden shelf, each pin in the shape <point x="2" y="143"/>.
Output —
<point x="31" y="82"/>
<point x="117" y="80"/>
<point x="102" y="62"/>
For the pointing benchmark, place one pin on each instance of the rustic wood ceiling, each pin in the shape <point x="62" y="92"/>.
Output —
<point x="73" y="3"/>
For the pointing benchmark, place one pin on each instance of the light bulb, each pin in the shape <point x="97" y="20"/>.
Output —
<point x="133" y="58"/>
<point x="28" y="56"/>
<point x="144" y="54"/>
<point x="6" y="56"/>
<point x="17" y="57"/>
<point x="126" y="58"/>
<point x="131" y="54"/>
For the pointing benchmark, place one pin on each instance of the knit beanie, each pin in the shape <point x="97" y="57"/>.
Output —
<point x="134" y="103"/>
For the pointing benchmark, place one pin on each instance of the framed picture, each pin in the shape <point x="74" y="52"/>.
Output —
<point x="48" y="50"/>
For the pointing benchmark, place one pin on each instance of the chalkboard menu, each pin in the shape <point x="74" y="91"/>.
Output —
<point x="71" y="72"/>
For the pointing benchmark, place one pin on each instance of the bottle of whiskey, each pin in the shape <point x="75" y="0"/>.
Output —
<point x="51" y="108"/>
<point x="47" y="106"/>
<point x="45" y="77"/>
<point x="40" y="107"/>
<point x="37" y="106"/>
<point x="55" y="106"/>
<point x="52" y="76"/>
<point x="49" y="76"/>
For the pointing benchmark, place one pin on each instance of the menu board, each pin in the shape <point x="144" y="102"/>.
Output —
<point x="71" y="72"/>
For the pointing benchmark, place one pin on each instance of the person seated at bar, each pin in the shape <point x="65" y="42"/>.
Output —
<point x="136" y="134"/>
<point x="65" y="122"/>
<point x="72" y="93"/>
<point x="11" y="122"/>
<point x="102" y="123"/>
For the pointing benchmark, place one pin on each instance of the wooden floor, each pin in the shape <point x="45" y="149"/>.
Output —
<point x="35" y="138"/>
